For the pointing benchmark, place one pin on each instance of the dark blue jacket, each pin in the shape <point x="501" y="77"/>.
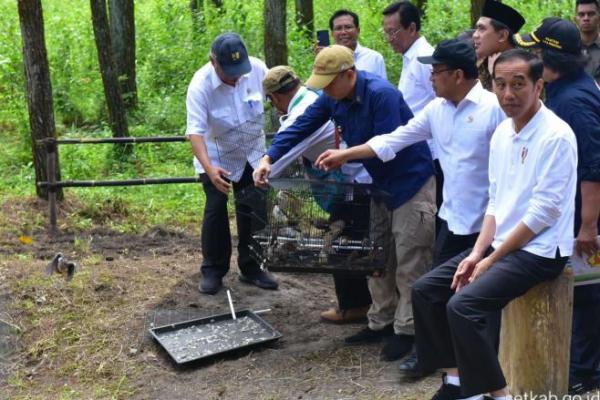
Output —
<point x="576" y="100"/>
<point x="376" y="108"/>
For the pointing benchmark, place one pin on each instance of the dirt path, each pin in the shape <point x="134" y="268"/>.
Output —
<point x="153" y="278"/>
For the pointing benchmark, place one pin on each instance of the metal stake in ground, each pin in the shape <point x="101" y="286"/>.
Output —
<point x="231" y="304"/>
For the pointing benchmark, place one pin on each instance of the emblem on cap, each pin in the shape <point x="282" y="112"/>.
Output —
<point x="235" y="56"/>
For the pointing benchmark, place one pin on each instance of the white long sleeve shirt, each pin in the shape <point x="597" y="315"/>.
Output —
<point x="229" y="118"/>
<point x="415" y="82"/>
<point x="533" y="177"/>
<point x="462" y="136"/>
<point x="369" y="60"/>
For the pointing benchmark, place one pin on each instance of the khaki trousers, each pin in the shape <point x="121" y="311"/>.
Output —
<point x="407" y="235"/>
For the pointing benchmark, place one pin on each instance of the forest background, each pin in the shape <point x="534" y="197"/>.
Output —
<point x="170" y="46"/>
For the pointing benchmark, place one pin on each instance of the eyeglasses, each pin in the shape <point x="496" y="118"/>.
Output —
<point x="389" y="35"/>
<point x="439" y="71"/>
<point x="339" y="28"/>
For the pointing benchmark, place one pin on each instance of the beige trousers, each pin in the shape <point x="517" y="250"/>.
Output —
<point x="407" y="235"/>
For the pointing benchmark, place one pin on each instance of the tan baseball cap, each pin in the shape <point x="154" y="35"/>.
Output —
<point x="330" y="62"/>
<point x="277" y="77"/>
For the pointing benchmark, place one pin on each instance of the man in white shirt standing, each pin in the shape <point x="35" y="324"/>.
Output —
<point x="224" y="125"/>
<point x="345" y="26"/>
<point x="283" y="89"/>
<point x="401" y="28"/>
<point x="460" y="121"/>
<point x="526" y="237"/>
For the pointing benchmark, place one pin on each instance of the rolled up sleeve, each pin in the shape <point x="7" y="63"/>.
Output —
<point x="197" y="115"/>
<point x="556" y="167"/>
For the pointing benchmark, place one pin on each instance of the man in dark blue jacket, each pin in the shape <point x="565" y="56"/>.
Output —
<point x="573" y="95"/>
<point x="362" y="106"/>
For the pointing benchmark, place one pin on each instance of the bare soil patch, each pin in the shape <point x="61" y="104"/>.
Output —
<point x="89" y="339"/>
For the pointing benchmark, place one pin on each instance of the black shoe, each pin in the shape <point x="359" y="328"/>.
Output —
<point x="397" y="346"/>
<point x="581" y="386"/>
<point x="409" y="367"/>
<point x="368" y="335"/>
<point x="260" y="279"/>
<point x="210" y="284"/>
<point x="447" y="392"/>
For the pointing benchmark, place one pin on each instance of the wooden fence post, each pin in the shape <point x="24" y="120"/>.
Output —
<point x="535" y="338"/>
<point x="51" y="159"/>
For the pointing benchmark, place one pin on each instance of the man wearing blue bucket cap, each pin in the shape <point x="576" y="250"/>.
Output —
<point x="224" y="125"/>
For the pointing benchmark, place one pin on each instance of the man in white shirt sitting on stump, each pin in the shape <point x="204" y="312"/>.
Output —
<point x="526" y="237"/>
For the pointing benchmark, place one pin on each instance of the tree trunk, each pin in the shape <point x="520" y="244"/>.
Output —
<point x="305" y="17"/>
<point x="476" y="6"/>
<point x="122" y="34"/>
<point x="421" y="6"/>
<point x="536" y="337"/>
<point x="275" y="33"/>
<point x="197" y="11"/>
<point x="39" y="89"/>
<point x="112" y="91"/>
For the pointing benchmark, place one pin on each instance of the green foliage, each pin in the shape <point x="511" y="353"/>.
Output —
<point x="170" y="47"/>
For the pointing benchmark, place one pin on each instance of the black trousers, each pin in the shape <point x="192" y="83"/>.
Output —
<point x="439" y="193"/>
<point x="352" y="291"/>
<point x="585" y="341"/>
<point x="449" y="244"/>
<point x="461" y="329"/>
<point x="216" y="236"/>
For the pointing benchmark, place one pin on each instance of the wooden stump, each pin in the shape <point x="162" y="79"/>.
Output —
<point x="536" y="336"/>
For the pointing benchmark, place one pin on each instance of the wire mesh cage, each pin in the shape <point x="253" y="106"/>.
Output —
<point x="315" y="225"/>
<point x="240" y="144"/>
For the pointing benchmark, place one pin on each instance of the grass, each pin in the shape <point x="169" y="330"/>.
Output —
<point x="74" y="334"/>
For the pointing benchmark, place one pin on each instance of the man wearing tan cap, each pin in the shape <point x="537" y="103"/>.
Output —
<point x="362" y="106"/>
<point x="285" y="91"/>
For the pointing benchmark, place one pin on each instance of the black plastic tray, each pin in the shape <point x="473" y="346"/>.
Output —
<point x="210" y="336"/>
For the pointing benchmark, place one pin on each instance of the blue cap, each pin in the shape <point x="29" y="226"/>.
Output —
<point x="231" y="54"/>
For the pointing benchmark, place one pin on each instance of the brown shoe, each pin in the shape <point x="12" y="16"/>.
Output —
<point x="335" y="316"/>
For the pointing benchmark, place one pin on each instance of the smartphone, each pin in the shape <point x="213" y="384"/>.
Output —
<point x="323" y="38"/>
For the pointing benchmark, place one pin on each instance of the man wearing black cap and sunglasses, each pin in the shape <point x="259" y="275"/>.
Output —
<point x="493" y="35"/>
<point x="224" y="106"/>
<point x="573" y="95"/>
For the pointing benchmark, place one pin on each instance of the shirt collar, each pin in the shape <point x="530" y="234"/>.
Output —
<point x="474" y="95"/>
<point x="299" y="93"/>
<point x="530" y="128"/>
<point x="357" y="50"/>
<point x="414" y="48"/>
<point x="215" y="81"/>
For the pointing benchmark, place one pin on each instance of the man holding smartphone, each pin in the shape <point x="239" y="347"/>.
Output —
<point x="345" y="27"/>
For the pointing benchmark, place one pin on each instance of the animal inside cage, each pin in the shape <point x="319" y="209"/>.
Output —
<point x="317" y="226"/>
